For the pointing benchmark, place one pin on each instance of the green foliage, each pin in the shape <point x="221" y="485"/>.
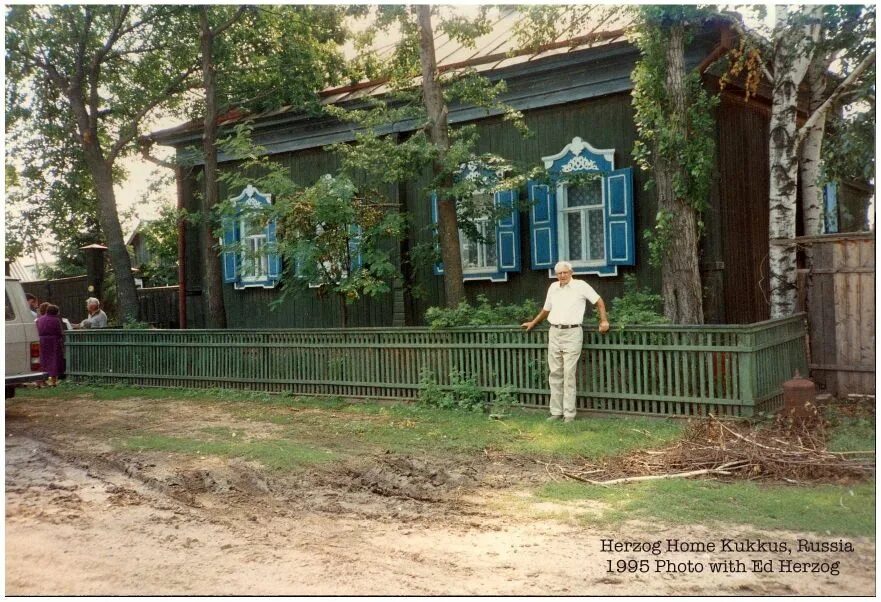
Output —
<point x="637" y="305"/>
<point x="483" y="314"/>
<point x="681" y="143"/>
<point x="462" y="394"/>
<point x="503" y="403"/>
<point x="335" y="234"/>
<point x="160" y="238"/>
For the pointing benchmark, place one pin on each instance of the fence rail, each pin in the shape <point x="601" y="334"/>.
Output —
<point x="660" y="370"/>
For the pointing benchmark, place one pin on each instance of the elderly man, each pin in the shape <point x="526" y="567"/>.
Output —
<point x="564" y="309"/>
<point x="97" y="318"/>
<point x="33" y="304"/>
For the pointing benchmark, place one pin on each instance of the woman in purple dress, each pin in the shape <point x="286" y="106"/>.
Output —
<point x="51" y="332"/>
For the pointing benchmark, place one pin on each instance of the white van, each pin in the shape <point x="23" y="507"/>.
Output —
<point x="22" y="341"/>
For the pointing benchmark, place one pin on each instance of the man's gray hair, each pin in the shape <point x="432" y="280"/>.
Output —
<point x="562" y="265"/>
<point x="93" y="300"/>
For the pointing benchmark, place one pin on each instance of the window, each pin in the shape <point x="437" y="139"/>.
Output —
<point x="10" y="313"/>
<point x="253" y="259"/>
<point x="249" y="255"/>
<point x="479" y="255"/>
<point x="584" y="213"/>
<point x="830" y="208"/>
<point x="583" y="240"/>
<point x="497" y="251"/>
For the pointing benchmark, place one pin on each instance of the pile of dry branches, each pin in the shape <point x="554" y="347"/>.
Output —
<point x="787" y="450"/>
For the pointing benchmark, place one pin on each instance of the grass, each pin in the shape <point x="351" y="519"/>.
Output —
<point x="824" y="509"/>
<point x="277" y="454"/>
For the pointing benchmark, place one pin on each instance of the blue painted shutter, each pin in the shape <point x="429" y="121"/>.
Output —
<point x="830" y="208"/>
<point x="620" y="248"/>
<point x="230" y="257"/>
<point x="355" y="247"/>
<point x="272" y="251"/>
<point x="542" y="225"/>
<point x="508" y="233"/>
<point x="439" y="266"/>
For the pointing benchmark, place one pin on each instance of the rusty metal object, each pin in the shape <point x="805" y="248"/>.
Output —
<point x="799" y="397"/>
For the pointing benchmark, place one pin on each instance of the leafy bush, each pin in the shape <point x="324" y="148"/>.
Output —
<point x="484" y="314"/>
<point x="637" y="305"/>
<point x="464" y="394"/>
<point x="503" y="403"/>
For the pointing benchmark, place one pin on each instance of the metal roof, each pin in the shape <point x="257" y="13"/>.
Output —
<point x="498" y="49"/>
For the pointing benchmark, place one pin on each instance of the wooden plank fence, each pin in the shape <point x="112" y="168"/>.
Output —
<point x="667" y="371"/>
<point x="840" y="300"/>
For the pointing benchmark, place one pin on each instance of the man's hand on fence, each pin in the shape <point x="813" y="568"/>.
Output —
<point x="528" y="326"/>
<point x="604" y="326"/>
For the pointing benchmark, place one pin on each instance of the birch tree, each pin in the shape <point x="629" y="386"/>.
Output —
<point x="796" y="33"/>
<point x="847" y="37"/>
<point x="806" y="40"/>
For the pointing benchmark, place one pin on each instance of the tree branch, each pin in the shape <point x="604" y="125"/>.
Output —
<point x="229" y="22"/>
<point x="836" y="94"/>
<point x="145" y="143"/>
<point x="134" y="122"/>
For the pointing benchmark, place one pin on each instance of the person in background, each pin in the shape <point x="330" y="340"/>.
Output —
<point x="51" y="333"/>
<point x="41" y="309"/>
<point x="97" y="318"/>
<point x="564" y="309"/>
<point x="33" y="304"/>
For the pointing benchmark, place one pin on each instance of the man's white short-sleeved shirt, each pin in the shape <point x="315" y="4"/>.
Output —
<point x="567" y="303"/>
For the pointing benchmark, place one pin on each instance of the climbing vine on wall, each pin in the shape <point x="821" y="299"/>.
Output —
<point x="683" y="140"/>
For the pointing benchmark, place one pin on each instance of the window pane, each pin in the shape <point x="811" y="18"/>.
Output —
<point x="10" y="313"/>
<point x="490" y="234"/>
<point x="589" y="193"/>
<point x="573" y="230"/>
<point x="596" y="234"/>
<point x="469" y="251"/>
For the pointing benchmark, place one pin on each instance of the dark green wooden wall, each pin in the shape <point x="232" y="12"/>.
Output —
<point x="605" y="122"/>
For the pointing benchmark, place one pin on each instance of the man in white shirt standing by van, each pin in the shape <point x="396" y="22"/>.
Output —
<point x="564" y="309"/>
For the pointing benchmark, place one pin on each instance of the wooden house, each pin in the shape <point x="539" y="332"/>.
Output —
<point x="576" y="99"/>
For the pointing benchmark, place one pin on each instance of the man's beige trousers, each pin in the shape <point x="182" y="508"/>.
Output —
<point x="564" y="349"/>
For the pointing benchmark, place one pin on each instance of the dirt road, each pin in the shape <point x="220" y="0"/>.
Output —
<point x="83" y="518"/>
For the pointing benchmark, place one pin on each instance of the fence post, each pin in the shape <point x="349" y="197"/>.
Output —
<point x="746" y="341"/>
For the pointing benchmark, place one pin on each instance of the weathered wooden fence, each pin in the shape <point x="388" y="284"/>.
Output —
<point x="840" y="299"/>
<point x="669" y="370"/>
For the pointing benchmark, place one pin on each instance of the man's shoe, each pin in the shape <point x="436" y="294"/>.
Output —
<point x="553" y="417"/>
<point x="569" y="419"/>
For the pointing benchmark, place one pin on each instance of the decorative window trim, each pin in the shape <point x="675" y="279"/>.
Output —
<point x="234" y="228"/>
<point x="548" y="223"/>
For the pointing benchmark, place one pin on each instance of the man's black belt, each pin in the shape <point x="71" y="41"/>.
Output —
<point x="565" y="325"/>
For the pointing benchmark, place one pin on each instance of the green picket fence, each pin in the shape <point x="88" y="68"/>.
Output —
<point x="728" y="370"/>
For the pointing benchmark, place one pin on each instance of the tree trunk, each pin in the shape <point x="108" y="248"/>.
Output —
<point x="127" y="295"/>
<point x="792" y="56"/>
<point x="212" y="279"/>
<point x="680" y="276"/>
<point x="447" y="225"/>
<point x="809" y="162"/>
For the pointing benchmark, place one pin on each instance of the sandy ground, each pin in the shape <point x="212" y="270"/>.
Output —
<point x="84" y="519"/>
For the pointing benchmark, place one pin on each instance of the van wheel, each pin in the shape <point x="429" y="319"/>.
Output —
<point x="10" y="392"/>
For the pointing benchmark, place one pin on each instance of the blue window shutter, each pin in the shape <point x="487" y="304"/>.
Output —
<point x="542" y="225"/>
<point x="274" y="259"/>
<point x="508" y="233"/>
<point x="620" y="248"/>
<point x="830" y="208"/>
<point x="355" y="247"/>
<point x="230" y="257"/>
<point x="439" y="266"/>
